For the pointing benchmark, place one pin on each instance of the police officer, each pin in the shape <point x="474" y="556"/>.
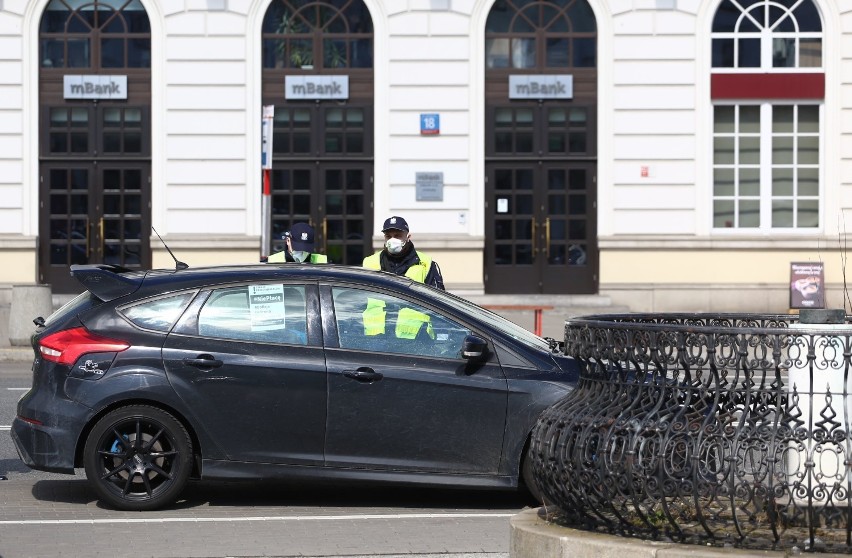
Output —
<point x="400" y="257"/>
<point x="300" y="246"/>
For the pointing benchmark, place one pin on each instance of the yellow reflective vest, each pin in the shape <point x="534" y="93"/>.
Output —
<point x="416" y="272"/>
<point x="408" y="321"/>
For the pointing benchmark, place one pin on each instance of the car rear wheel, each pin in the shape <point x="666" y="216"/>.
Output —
<point x="138" y="458"/>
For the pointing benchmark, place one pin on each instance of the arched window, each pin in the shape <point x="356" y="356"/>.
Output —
<point x="317" y="35"/>
<point x="555" y="34"/>
<point x="767" y="88"/>
<point x="95" y="34"/>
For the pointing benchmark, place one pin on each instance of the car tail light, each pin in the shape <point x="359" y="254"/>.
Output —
<point x="65" y="347"/>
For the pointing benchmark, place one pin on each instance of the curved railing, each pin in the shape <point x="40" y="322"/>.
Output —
<point x="722" y="430"/>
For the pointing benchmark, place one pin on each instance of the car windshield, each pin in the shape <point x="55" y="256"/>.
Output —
<point x="494" y="320"/>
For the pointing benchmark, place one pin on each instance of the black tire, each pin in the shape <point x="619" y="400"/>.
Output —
<point x="138" y="458"/>
<point x="529" y="480"/>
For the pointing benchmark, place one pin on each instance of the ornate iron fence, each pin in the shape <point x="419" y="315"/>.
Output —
<point x="720" y="429"/>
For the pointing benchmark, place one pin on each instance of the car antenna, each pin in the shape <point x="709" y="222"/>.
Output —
<point x="178" y="264"/>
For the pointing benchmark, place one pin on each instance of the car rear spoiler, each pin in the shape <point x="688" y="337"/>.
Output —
<point x="106" y="282"/>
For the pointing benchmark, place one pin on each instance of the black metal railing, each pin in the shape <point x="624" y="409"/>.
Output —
<point x="722" y="430"/>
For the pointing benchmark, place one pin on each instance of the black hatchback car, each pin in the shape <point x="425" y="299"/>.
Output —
<point x="148" y="379"/>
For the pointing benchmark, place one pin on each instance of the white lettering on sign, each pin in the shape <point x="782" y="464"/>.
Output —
<point x="541" y="86"/>
<point x="95" y="87"/>
<point x="316" y="87"/>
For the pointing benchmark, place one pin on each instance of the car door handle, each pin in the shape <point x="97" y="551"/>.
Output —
<point x="366" y="375"/>
<point x="203" y="361"/>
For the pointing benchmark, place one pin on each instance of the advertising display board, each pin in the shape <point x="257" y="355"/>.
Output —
<point x="807" y="284"/>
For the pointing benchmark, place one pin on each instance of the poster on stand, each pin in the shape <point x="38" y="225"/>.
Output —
<point x="807" y="285"/>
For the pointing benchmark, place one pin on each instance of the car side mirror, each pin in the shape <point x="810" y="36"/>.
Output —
<point x="474" y="348"/>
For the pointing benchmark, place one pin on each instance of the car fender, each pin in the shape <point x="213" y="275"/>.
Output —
<point x="135" y="385"/>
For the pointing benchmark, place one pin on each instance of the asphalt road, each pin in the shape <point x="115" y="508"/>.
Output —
<point x="43" y="514"/>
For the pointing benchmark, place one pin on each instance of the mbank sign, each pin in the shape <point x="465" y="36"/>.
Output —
<point x="549" y="86"/>
<point x="95" y="87"/>
<point x="316" y="87"/>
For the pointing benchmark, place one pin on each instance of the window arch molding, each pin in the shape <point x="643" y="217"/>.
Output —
<point x="831" y="133"/>
<point x="31" y="21"/>
<point x="605" y="30"/>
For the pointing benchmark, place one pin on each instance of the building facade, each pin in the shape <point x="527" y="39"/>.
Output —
<point x="670" y="154"/>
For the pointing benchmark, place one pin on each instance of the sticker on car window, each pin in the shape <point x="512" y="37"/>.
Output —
<point x="266" y="305"/>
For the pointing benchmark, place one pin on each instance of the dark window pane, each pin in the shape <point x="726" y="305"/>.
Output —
<point x="503" y="229"/>
<point x="354" y="142"/>
<point x="58" y="229"/>
<point x="78" y="53"/>
<point x="132" y="229"/>
<point x="54" y="17"/>
<point x="524" y="204"/>
<point x="726" y="17"/>
<point x="112" y="53"/>
<point x="52" y="53"/>
<point x="524" y="179"/>
<point x="59" y="204"/>
<point x="302" y="204"/>
<point x="557" y="254"/>
<point x="503" y="179"/>
<point x="79" y="204"/>
<point x="523" y="254"/>
<point x="139" y="53"/>
<point x="557" y="229"/>
<point x="58" y="179"/>
<point x="334" y="53"/>
<point x="524" y="142"/>
<point x="582" y="17"/>
<point x="355" y="204"/>
<point x="362" y="53"/>
<point x="112" y="204"/>
<point x="301" y="143"/>
<point x="132" y="180"/>
<point x="334" y="204"/>
<point x="79" y="143"/>
<point x="333" y="142"/>
<point x="557" y="53"/>
<point x="556" y="142"/>
<point x="503" y="254"/>
<point x="58" y="254"/>
<point x="577" y="205"/>
<point x="576" y="142"/>
<point x="556" y="205"/>
<point x="523" y="229"/>
<point x="585" y="53"/>
<point x="749" y="53"/>
<point x="503" y="142"/>
<point x="333" y="179"/>
<point x="112" y="142"/>
<point x="132" y="142"/>
<point x="723" y="53"/>
<point x="58" y="142"/>
<point x="112" y="229"/>
<point x="132" y="205"/>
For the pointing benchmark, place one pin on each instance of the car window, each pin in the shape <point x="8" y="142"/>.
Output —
<point x="159" y="314"/>
<point x="375" y="321"/>
<point x="494" y="320"/>
<point x="266" y="313"/>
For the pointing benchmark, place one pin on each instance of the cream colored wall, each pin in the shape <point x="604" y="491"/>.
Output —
<point x="718" y="267"/>
<point x="704" y="280"/>
<point x="19" y="265"/>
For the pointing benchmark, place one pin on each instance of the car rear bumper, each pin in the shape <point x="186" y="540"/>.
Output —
<point x="43" y="448"/>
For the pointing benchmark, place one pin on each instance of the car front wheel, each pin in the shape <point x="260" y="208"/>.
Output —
<point x="138" y="458"/>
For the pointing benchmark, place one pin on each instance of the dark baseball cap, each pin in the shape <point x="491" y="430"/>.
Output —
<point x="302" y="237"/>
<point x="397" y="223"/>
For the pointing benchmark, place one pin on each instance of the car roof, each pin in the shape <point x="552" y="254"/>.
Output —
<point x="111" y="282"/>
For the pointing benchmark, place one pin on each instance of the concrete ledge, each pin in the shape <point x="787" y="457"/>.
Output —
<point x="533" y="537"/>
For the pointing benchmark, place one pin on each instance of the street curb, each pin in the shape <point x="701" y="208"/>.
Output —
<point x="532" y="536"/>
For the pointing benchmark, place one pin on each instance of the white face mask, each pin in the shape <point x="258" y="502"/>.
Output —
<point x="395" y="245"/>
<point x="301" y="256"/>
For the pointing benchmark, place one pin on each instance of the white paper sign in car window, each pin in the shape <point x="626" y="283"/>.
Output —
<point x="266" y="304"/>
